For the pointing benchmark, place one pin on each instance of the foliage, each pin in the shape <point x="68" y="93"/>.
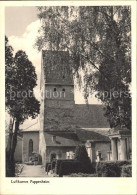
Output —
<point x="58" y="163"/>
<point x="126" y="171"/>
<point x="81" y="153"/>
<point x="99" y="42"/>
<point x="53" y="164"/>
<point x="75" y="166"/>
<point x="108" y="170"/>
<point x="111" y="169"/>
<point x="47" y="165"/>
<point x="81" y="163"/>
<point x="81" y="175"/>
<point x="18" y="169"/>
<point x="20" y="79"/>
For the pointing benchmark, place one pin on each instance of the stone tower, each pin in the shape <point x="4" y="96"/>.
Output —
<point x="57" y="95"/>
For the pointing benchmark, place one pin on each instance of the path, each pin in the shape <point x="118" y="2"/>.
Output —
<point x="33" y="171"/>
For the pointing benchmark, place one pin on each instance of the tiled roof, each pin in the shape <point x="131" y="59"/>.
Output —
<point x="32" y="125"/>
<point x="74" y="138"/>
<point x="61" y="140"/>
<point x="90" y="116"/>
<point x="84" y="135"/>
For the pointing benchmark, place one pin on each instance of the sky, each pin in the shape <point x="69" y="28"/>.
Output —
<point x="21" y="26"/>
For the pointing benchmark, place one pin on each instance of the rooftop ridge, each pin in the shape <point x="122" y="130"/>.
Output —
<point x="31" y="125"/>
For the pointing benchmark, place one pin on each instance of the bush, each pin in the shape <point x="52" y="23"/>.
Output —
<point x="67" y="167"/>
<point x="58" y="163"/>
<point x="81" y="163"/>
<point x="81" y="153"/>
<point x="110" y="169"/>
<point x="75" y="166"/>
<point x="48" y="167"/>
<point x="53" y="163"/>
<point x="126" y="171"/>
<point x="81" y="175"/>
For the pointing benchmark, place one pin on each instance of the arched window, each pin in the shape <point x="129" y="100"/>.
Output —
<point x="30" y="147"/>
<point x="63" y="90"/>
<point x="54" y="89"/>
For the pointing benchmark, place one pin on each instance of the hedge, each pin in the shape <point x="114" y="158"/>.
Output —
<point x="126" y="171"/>
<point x="81" y="163"/>
<point x="110" y="169"/>
<point x="69" y="167"/>
<point x="58" y="163"/>
<point x="75" y="166"/>
<point x="81" y="153"/>
<point x="82" y="175"/>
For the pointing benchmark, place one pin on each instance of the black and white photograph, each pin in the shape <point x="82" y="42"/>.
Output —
<point x="68" y="92"/>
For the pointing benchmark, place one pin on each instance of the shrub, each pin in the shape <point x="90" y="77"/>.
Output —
<point x="81" y="163"/>
<point x="65" y="168"/>
<point x="53" y="163"/>
<point x="81" y="153"/>
<point x="68" y="167"/>
<point x="57" y="166"/>
<point x="126" y="171"/>
<point x="82" y="175"/>
<point x="48" y="167"/>
<point x="58" y="163"/>
<point x="75" y="166"/>
<point x="110" y="169"/>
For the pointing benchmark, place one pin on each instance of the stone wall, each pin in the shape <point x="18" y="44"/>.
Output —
<point x="26" y="137"/>
<point x="103" y="147"/>
<point x="59" y="92"/>
<point x="57" y="67"/>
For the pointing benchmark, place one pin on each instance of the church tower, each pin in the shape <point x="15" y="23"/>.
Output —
<point x="57" y="96"/>
<point x="57" y="91"/>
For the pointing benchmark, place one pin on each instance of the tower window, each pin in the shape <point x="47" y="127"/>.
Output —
<point x="53" y="138"/>
<point x="54" y="89"/>
<point x="63" y="90"/>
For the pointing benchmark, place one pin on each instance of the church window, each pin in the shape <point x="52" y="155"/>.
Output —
<point x="30" y="147"/>
<point x="53" y="138"/>
<point x="54" y="89"/>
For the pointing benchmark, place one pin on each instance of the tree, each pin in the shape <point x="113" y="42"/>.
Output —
<point x="20" y="80"/>
<point x="99" y="42"/>
<point x="81" y="153"/>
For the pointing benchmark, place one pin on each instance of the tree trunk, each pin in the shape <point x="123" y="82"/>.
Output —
<point x="11" y="146"/>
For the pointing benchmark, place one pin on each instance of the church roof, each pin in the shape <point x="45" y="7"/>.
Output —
<point x="74" y="138"/>
<point x="92" y="134"/>
<point x="30" y="125"/>
<point x="90" y="116"/>
<point x="61" y="140"/>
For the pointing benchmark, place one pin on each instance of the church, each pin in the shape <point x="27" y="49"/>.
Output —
<point x="62" y="124"/>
